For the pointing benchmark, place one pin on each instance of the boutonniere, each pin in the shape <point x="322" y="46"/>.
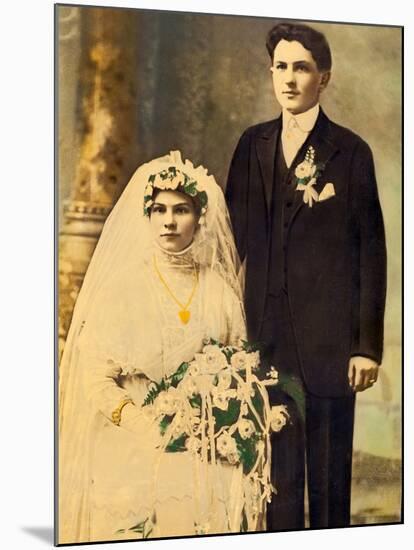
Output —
<point x="306" y="173"/>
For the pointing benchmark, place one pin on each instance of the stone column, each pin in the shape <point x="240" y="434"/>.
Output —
<point x="106" y="115"/>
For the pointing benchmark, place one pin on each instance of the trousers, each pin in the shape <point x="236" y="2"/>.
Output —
<point x="314" y="447"/>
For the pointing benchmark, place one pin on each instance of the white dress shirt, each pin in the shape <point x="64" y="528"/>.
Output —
<point x="295" y="130"/>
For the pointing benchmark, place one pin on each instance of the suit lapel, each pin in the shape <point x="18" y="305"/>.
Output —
<point x="265" y="149"/>
<point x="325" y="148"/>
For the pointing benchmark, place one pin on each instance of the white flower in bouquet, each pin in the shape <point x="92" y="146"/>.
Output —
<point x="193" y="444"/>
<point x="226" y="445"/>
<point x="224" y="379"/>
<point x="273" y="374"/>
<point x="167" y="402"/>
<point x="214" y="358"/>
<point x="221" y="397"/>
<point x="195" y="423"/>
<point x="194" y="368"/>
<point x="179" y="425"/>
<point x="253" y="360"/>
<point x="189" y="386"/>
<point x="239" y="360"/>
<point x="233" y="458"/>
<point x="246" y="428"/>
<point x="245" y="392"/>
<point x="278" y="417"/>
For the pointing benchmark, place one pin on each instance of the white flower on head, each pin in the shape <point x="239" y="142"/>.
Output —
<point x="160" y="183"/>
<point x="173" y="183"/>
<point x="278" y="417"/>
<point x="246" y="428"/>
<point x="149" y="190"/>
<point x="226" y="445"/>
<point x="305" y="169"/>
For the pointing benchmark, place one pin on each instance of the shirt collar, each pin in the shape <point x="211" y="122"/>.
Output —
<point x="305" y="121"/>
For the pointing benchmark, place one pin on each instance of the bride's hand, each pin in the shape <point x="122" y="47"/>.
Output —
<point x="137" y="422"/>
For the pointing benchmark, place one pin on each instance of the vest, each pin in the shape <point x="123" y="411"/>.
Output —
<point x="284" y="196"/>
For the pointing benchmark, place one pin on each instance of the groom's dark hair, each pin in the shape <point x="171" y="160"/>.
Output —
<point x="311" y="39"/>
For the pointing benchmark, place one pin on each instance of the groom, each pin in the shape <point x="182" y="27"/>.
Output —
<point x="304" y="205"/>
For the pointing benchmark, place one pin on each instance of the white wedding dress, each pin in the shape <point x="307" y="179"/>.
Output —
<point x="140" y="339"/>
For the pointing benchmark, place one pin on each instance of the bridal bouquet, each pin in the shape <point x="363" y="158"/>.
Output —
<point x="216" y="407"/>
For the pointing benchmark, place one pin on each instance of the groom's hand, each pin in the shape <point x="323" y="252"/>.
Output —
<point x="362" y="373"/>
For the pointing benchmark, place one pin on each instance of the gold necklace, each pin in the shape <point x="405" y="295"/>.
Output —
<point x="184" y="314"/>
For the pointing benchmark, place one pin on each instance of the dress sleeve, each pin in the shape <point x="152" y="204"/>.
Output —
<point x="236" y="322"/>
<point x="101" y="387"/>
<point x="104" y="350"/>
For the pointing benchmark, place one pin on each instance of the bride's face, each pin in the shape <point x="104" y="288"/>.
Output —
<point x="173" y="220"/>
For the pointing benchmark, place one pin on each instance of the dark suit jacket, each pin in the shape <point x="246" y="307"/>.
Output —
<point x="335" y="254"/>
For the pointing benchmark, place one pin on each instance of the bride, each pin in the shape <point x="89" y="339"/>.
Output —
<point x="162" y="281"/>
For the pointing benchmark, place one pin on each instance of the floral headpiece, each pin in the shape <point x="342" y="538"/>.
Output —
<point x="173" y="179"/>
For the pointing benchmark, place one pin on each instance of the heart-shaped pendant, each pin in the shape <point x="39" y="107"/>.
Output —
<point x="184" y="316"/>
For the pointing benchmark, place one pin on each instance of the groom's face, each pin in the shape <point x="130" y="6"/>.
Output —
<point x="297" y="81"/>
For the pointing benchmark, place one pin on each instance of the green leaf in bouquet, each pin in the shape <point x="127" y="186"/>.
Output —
<point x="179" y="374"/>
<point x="228" y="352"/>
<point x="195" y="401"/>
<point x="212" y="342"/>
<point x="228" y="417"/>
<point x="247" y="451"/>
<point x="250" y="347"/>
<point x="165" y="422"/>
<point x="258" y="404"/>
<point x="151" y="395"/>
<point x="293" y="387"/>
<point x="154" y="391"/>
<point x="177" y="445"/>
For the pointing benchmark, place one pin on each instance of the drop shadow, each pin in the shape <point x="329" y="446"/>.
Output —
<point x="42" y="533"/>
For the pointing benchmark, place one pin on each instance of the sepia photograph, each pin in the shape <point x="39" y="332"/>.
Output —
<point x="229" y="263"/>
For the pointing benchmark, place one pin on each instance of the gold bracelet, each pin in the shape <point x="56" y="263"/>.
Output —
<point x="116" y="414"/>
